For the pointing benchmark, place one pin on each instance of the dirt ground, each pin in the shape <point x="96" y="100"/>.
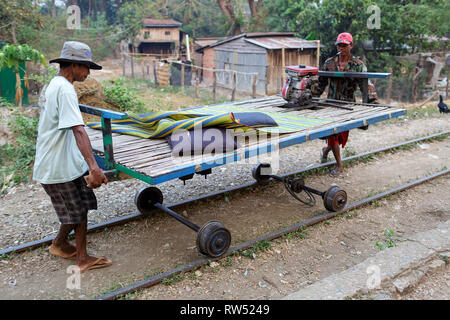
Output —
<point x="148" y="246"/>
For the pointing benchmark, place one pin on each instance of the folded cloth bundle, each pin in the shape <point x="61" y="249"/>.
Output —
<point x="163" y="124"/>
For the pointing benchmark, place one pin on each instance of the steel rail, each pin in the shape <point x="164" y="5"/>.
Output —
<point x="273" y="235"/>
<point x="128" y="218"/>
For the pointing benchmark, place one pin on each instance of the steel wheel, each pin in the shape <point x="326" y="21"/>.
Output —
<point x="335" y="199"/>
<point x="256" y="173"/>
<point x="213" y="239"/>
<point x="145" y="198"/>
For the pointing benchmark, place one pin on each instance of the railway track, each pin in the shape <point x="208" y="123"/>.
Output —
<point x="125" y="219"/>
<point x="273" y="235"/>
<point x="242" y="246"/>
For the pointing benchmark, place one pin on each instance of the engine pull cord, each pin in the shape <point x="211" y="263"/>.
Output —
<point x="312" y="200"/>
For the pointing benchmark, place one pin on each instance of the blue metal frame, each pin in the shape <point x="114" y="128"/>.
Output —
<point x="103" y="113"/>
<point x="347" y="74"/>
<point x="267" y="148"/>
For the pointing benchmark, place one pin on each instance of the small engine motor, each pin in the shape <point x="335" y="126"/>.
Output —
<point x="296" y="90"/>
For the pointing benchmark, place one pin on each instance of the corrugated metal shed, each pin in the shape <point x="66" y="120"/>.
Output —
<point x="266" y="54"/>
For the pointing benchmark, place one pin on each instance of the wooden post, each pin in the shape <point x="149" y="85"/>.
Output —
<point x="143" y="69"/>
<point x="436" y="93"/>
<point x="389" y="93"/>
<point x="417" y="71"/>
<point x="182" y="77"/>
<point x="123" y="64"/>
<point x="446" y="89"/>
<point x="197" y="82"/>
<point x="155" y="79"/>
<point x="365" y="91"/>
<point x="318" y="54"/>
<point x="233" y="91"/>
<point x="255" y="81"/>
<point x="132" y="66"/>
<point x="268" y="75"/>
<point x="214" y="85"/>
<point x="283" y="65"/>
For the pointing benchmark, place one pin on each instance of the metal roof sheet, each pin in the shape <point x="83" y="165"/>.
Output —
<point x="204" y="43"/>
<point x="148" y="22"/>
<point x="272" y="43"/>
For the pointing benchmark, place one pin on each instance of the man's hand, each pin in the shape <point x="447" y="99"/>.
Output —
<point x="95" y="178"/>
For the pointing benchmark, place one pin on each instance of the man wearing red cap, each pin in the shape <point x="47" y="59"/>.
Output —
<point x="341" y="89"/>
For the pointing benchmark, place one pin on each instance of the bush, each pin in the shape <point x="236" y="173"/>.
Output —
<point x="5" y="104"/>
<point x="123" y="98"/>
<point x="16" y="159"/>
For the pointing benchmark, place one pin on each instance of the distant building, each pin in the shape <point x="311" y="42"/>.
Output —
<point x="265" y="53"/>
<point x="204" y="57"/>
<point x="159" y="37"/>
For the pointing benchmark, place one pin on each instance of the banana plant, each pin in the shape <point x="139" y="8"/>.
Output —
<point x="12" y="56"/>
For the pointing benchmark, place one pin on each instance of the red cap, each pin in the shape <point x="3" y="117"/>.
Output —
<point x="344" y="37"/>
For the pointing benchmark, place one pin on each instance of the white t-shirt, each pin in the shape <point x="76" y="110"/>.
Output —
<point x="58" y="158"/>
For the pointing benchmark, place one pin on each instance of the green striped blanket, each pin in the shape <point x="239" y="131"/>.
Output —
<point x="164" y="123"/>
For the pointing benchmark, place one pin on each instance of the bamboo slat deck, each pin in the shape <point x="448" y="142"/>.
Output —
<point x="153" y="158"/>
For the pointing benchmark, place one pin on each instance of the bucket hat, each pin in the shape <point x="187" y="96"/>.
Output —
<point x="78" y="52"/>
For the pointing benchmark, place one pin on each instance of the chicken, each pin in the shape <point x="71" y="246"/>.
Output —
<point x="442" y="106"/>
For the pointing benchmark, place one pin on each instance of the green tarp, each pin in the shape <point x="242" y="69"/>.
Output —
<point x="8" y="84"/>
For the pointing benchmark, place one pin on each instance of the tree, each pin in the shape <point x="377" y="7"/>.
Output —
<point x="234" y="19"/>
<point x="403" y="24"/>
<point x="200" y="18"/>
<point x="258" y="15"/>
<point x="14" y="16"/>
<point x="130" y="18"/>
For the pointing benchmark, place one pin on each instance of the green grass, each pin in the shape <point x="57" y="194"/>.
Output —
<point x="228" y="262"/>
<point x="420" y="113"/>
<point x="351" y="214"/>
<point x="388" y="241"/>
<point x="251" y="252"/>
<point x="443" y="258"/>
<point x="6" y="256"/>
<point x="173" y="279"/>
<point x="300" y="233"/>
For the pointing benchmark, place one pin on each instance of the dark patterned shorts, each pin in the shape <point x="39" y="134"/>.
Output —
<point x="72" y="200"/>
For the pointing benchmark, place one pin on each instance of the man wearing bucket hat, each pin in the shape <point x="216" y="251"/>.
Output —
<point x="341" y="89"/>
<point x="64" y="156"/>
